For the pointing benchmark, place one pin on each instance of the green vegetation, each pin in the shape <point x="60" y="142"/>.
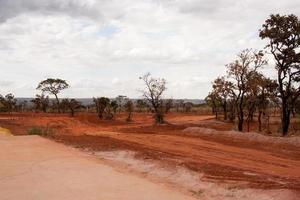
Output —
<point x="42" y="131"/>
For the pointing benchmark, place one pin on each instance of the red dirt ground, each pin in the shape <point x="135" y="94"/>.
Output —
<point x="247" y="164"/>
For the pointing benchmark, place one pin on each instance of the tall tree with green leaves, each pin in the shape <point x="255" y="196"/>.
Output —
<point x="54" y="87"/>
<point x="283" y="34"/>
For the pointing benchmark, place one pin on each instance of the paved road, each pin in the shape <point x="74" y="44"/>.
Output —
<point x="34" y="168"/>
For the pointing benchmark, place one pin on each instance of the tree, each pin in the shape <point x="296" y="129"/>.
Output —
<point x="297" y="106"/>
<point x="9" y="102"/>
<point x="213" y="100"/>
<point x="105" y="108"/>
<point x="222" y="88"/>
<point x="114" y="106"/>
<point x="266" y="95"/>
<point x="259" y="94"/>
<point x="240" y="72"/>
<point x="121" y="100"/>
<point x="101" y="103"/>
<point x="41" y="102"/>
<point x="53" y="86"/>
<point x="179" y="104"/>
<point x="188" y="106"/>
<point x="168" y="105"/>
<point x="129" y="107"/>
<point x="155" y="87"/>
<point x="71" y="105"/>
<point x="22" y="106"/>
<point x="283" y="33"/>
<point x="140" y="104"/>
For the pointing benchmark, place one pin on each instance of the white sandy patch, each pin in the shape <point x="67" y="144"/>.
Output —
<point x="189" y="180"/>
<point x="249" y="136"/>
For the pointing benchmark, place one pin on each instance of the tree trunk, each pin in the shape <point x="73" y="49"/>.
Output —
<point x="225" y="110"/>
<point x="129" y="117"/>
<point x="259" y="120"/>
<point x="285" y="118"/>
<point x="72" y="112"/>
<point x="241" y="115"/>
<point x="57" y="102"/>
<point x="159" y="119"/>
<point x="240" y="124"/>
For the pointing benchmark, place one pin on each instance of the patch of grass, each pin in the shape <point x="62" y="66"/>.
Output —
<point x="197" y="193"/>
<point x="4" y="131"/>
<point x="42" y="131"/>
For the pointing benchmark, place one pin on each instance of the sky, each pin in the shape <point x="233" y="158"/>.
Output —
<point x="102" y="47"/>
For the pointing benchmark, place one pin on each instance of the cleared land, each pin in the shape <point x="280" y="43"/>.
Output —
<point x="265" y="169"/>
<point x="36" y="168"/>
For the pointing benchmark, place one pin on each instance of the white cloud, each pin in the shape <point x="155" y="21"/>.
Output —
<point x="102" y="46"/>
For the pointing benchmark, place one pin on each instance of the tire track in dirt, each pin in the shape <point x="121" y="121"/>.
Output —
<point x="236" y="163"/>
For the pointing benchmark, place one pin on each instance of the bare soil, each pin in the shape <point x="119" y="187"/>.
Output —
<point x="240" y="162"/>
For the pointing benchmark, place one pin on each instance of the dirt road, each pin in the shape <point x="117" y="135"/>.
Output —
<point x="222" y="159"/>
<point x="257" y="168"/>
<point x="36" y="168"/>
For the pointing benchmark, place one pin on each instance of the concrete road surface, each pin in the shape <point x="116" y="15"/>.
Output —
<point x="34" y="168"/>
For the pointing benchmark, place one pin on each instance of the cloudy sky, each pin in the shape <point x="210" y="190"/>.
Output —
<point x="101" y="47"/>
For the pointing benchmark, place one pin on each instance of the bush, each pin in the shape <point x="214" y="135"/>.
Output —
<point x="42" y="131"/>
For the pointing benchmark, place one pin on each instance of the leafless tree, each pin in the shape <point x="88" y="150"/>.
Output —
<point x="153" y="92"/>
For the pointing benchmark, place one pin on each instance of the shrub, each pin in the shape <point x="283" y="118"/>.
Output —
<point x="42" y="131"/>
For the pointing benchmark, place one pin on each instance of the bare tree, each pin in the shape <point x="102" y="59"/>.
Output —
<point x="153" y="94"/>
<point x="283" y="33"/>
<point x="53" y="86"/>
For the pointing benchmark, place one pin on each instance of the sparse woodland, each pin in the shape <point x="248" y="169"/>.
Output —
<point x="245" y="90"/>
<point x="243" y="96"/>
